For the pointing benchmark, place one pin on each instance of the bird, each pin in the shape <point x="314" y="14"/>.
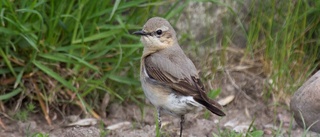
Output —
<point x="169" y="79"/>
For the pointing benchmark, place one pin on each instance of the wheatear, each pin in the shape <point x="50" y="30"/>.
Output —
<point x="168" y="77"/>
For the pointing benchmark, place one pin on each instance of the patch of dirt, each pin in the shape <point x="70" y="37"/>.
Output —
<point x="196" y="124"/>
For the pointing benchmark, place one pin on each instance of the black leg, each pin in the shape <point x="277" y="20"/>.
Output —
<point x="181" y="125"/>
<point x="159" y="118"/>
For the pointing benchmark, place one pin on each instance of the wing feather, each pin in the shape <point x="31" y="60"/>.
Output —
<point x="181" y="75"/>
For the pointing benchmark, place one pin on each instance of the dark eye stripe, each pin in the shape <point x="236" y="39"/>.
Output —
<point x="150" y="34"/>
<point x="155" y="33"/>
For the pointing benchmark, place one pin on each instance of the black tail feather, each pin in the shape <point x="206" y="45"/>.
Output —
<point x="213" y="106"/>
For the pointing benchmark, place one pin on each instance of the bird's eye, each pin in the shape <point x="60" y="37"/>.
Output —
<point x="159" y="32"/>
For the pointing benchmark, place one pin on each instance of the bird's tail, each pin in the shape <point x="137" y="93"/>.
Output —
<point x="203" y="99"/>
<point x="213" y="106"/>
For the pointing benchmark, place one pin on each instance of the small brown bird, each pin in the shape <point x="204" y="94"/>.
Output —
<point x="168" y="77"/>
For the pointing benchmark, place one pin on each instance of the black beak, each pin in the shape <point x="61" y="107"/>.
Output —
<point x="141" y="32"/>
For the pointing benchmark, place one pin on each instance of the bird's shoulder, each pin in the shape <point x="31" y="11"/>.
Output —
<point x="175" y="70"/>
<point x="174" y="63"/>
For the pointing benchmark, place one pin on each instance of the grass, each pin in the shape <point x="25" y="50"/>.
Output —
<point x="39" y="135"/>
<point x="285" y="37"/>
<point x="280" y="37"/>
<point x="74" y="52"/>
<point x="56" y="52"/>
<point x="24" y="113"/>
<point x="251" y="132"/>
<point x="230" y="133"/>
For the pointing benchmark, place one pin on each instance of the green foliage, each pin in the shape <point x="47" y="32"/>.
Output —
<point x="251" y="132"/>
<point x="103" y="131"/>
<point x="85" y="47"/>
<point x="214" y="93"/>
<point x="286" y="34"/>
<point x="40" y="135"/>
<point x="257" y="133"/>
<point x="158" y="129"/>
<point x="10" y="94"/>
<point x="23" y="114"/>
<point x="231" y="133"/>
<point x="31" y="107"/>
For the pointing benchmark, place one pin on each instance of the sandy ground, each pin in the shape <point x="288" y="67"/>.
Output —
<point x="240" y="113"/>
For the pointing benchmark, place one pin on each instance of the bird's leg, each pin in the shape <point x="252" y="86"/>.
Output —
<point x="159" y="118"/>
<point x="181" y="125"/>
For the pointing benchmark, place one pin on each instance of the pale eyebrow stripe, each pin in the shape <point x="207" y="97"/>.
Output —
<point x="163" y="28"/>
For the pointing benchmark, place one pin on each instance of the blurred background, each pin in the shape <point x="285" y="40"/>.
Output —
<point x="79" y="57"/>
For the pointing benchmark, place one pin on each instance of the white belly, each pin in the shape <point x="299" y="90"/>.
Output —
<point x="180" y="105"/>
<point x="168" y="101"/>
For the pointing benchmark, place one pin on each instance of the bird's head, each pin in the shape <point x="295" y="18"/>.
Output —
<point x="157" y="33"/>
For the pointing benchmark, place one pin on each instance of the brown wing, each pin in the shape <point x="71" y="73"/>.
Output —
<point x="172" y="74"/>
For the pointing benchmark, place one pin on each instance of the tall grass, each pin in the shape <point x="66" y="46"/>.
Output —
<point x="285" y="36"/>
<point x="57" y="52"/>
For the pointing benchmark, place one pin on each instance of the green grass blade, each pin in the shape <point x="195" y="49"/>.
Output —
<point x="54" y="75"/>
<point x="57" y="57"/>
<point x="98" y="36"/>
<point x="83" y="62"/>
<point x="124" y="80"/>
<point x="10" y="95"/>
<point x="5" y="57"/>
<point x="8" y="31"/>
<point x="115" y="7"/>
<point x="18" y="79"/>
<point x="31" y="41"/>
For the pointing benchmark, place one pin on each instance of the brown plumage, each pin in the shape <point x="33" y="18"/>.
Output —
<point x="169" y="78"/>
<point x="178" y="72"/>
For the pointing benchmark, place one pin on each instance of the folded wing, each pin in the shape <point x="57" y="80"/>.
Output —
<point x="180" y="74"/>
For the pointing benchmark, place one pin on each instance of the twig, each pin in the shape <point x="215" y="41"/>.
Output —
<point x="2" y="125"/>
<point x="236" y="86"/>
<point x="44" y="107"/>
<point x="7" y="116"/>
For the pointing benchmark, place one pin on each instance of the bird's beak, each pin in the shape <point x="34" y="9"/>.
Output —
<point x="141" y="32"/>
